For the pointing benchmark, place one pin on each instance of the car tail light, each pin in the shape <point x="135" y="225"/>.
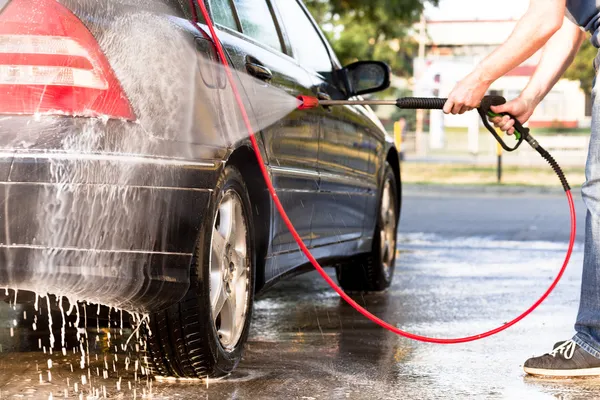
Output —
<point x="50" y="63"/>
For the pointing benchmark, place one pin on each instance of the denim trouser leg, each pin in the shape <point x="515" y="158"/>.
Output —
<point x="588" y="319"/>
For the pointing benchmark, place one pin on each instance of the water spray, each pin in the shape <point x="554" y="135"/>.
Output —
<point x="308" y="102"/>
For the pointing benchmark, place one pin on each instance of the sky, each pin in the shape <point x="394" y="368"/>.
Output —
<point x="476" y="9"/>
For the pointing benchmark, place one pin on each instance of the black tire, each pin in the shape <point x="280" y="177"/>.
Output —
<point x="183" y="340"/>
<point x="374" y="272"/>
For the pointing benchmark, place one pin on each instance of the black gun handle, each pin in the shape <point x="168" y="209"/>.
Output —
<point x="485" y="111"/>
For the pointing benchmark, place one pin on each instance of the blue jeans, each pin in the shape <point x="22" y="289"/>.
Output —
<point x="588" y="319"/>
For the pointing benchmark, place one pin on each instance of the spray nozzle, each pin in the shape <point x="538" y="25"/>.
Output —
<point x="307" y="102"/>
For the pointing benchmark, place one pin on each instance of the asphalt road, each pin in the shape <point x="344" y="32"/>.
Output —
<point x="468" y="262"/>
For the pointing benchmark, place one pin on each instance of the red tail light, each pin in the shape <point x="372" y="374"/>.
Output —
<point x="50" y="63"/>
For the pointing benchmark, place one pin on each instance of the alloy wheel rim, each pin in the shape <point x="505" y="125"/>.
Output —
<point x="229" y="270"/>
<point x="387" y="231"/>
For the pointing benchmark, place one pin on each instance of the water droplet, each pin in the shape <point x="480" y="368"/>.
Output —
<point x="50" y="324"/>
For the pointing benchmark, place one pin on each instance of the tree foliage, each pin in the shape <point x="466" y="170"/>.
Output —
<point x="374" y="29"/>
<point x="582" y="68"/>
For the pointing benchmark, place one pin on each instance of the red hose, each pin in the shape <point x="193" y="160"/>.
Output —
<point x="316" y="264"/>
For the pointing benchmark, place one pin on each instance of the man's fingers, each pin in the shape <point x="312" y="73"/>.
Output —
<point x="511" y="131"/>
<point x="505" y="123"/>
<point x="504" y="108"/>
<point x="496" y="121"/>
<point x="448" y="106"/>
<point x="508" y="125"/>
<point x="457" y="107"/>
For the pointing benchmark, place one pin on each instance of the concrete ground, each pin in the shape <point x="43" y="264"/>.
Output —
<point x="468" y="262"/>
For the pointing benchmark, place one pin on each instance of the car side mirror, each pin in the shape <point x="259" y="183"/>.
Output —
<point x="364" y="77"/>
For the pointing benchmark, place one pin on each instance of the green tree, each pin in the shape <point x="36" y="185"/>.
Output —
<point x="582" y="68"/>
<point x="374" y="29"/>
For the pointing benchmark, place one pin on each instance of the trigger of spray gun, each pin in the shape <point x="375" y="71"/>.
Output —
<point x="307" y="102"/>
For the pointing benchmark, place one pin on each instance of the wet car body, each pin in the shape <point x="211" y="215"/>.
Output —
<point x="151" y="179"/>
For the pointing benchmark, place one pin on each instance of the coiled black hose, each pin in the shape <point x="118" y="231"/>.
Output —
<point x="544" y="153"/>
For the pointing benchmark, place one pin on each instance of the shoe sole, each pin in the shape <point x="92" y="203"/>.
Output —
<point x="563" y="373"/>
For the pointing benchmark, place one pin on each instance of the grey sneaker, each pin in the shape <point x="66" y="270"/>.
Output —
<point x="566" y="360"/>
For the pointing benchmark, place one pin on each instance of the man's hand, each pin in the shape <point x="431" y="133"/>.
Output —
<point x="467" y="94"/>
<point x="520" y="108"/>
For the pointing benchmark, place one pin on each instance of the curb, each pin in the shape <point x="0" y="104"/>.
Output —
<point x="427" y="189"/>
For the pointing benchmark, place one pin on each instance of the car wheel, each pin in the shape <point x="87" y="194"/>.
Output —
<point x="204" y="334"/>
<point x="374" y="271"/>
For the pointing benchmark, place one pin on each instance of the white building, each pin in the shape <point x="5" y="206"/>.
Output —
<point x="454" y="47"/>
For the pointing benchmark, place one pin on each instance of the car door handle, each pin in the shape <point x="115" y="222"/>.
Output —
<point x="257" y="70"/>
<point x="323" y="96"/>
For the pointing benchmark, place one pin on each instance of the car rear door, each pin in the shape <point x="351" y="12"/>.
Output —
<point x="343" y="149"/>
<point x="252" y="38"/>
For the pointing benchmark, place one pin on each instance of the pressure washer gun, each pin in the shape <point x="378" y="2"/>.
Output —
<point x="521" y="135"/>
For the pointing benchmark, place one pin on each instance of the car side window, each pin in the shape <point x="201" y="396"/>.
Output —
<point x="222" y="13"/>
<point x="257" y="22"/>
<point x="309" y="49"/>
<point x="179" y="8"/>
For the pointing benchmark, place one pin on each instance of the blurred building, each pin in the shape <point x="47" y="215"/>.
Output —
<point x="454" y="47"/>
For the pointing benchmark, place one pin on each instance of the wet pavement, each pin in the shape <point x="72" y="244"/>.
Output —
<point x="467" y="263"/>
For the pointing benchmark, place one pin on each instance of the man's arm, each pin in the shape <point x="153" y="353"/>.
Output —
<point x="559" y="53"/>
<point x="541" y="21"/>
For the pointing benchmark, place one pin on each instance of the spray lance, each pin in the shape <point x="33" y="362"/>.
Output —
<point x="521" y="135"/>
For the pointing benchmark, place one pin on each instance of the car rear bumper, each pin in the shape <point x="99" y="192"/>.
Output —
<point x="107" y="228"/>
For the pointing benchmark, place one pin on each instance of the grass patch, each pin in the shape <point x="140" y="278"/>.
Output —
<point x="534" y="131"/>
<point x="562" y="131"/>
<point x="467" y="174"/>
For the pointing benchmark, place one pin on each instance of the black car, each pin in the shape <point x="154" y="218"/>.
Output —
<point x="126" y="179"/>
